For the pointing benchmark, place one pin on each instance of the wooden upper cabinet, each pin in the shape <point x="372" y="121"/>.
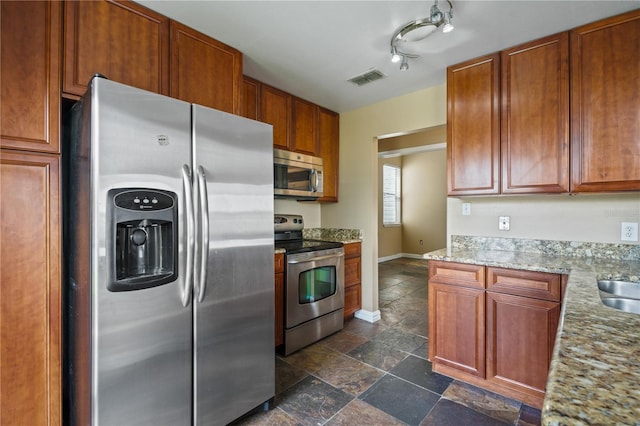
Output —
<point x="275" y="109"/>
<point x="304" y="131"/>
<point x="30" y="78"/>
<point x="30" y="273"/>
<point x="250" y="98"/>
<point x="605" y="106"/>
<point x="329" y="126"/>
<point x="204" y="71"/>
<point x="535" y="116"/>
<point x="473" y="126"/>
<point x="122" y="40"/>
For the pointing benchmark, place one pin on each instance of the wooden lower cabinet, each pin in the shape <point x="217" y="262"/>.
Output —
<point x="494" y="327"/>
<point x="520" y="336"/>
<point x="279" y="298"/>
<point x="352" y="279"/>
<point x="456" y="338"/>
<point x="30" y="277"/>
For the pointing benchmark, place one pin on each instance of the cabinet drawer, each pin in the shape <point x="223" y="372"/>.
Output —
<point x="352" y="250"/>
<point x="539" y="285"/>
<point x="461" y="274"/>
<point x="278" y="263"/>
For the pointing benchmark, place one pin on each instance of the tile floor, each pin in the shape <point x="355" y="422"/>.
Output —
<point x="378" y="374"/>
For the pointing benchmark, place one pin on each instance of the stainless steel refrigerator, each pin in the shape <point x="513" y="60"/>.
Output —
<point x="169" y="274"/>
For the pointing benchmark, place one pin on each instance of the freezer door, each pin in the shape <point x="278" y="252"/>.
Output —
<point x="142" y="338"/>
<point x="234" y="294"/>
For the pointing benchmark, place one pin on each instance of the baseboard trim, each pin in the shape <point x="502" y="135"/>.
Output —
<point x="368" y="316"/>
<point x="400" y="255"/>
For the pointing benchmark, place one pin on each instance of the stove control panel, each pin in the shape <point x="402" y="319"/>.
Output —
<point x="288" y="222"/>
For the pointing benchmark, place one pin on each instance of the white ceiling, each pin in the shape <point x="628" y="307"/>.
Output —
<point x="311" y="48"/>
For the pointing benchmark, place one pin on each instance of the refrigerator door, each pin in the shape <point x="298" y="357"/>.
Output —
<point x="142" y="338"/>
<point x="234" y="290"/>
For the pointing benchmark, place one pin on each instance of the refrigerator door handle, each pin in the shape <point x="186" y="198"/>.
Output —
<point x="190" y="237"/>
<point x="204" y="217"/>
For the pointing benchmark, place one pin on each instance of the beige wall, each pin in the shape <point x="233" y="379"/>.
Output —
<point x="577" y="218"/>
<point x="309" y="210"/>
<point x="389" y="237"/>
<point x="593" y="218"/>
<point x="424" y="202"/>
<point x="359" y="130"/>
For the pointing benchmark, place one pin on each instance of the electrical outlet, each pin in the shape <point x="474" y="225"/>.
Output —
<point x="466" y="209"/>
<point x="629" y="231"/>
<point x="504" y="223"/>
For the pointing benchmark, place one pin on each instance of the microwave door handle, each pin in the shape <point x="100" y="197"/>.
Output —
<point x="204" y="217"/>
<point x="313" y="181"/>
<point x="190" y="234"/>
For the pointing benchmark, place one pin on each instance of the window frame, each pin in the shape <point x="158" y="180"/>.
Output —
<point x="396" y="194"/>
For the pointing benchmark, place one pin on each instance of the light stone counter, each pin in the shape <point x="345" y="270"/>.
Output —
<point x="594" y="377"/>
<point x="344" y="236"/>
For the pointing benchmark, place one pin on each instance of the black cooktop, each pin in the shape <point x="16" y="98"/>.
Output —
<point x="302" y="246"/>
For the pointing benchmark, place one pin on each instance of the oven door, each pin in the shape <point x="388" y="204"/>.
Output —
<point x="314" y="285"/>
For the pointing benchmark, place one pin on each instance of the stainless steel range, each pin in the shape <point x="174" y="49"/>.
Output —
<point x="314" y="284"/>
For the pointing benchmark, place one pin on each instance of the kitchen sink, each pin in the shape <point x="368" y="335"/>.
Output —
<point x="622" y="295"/>
<point x="626" y="305"/>
<point x="620" y="288"/>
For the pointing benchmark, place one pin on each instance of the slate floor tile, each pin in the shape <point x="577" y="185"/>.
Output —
<point x="402" y="400"/>
<point x="313" y="401"/>
<point x="350" y="375"/>
<point x="449" y="413"/>
<point x="400" y="339"/>
<point x="358" y="412"/>
<point x="287" y="375"/>
<point x="378" y="354"/>
<point x="483" y="401"/>
<point x="418" y="371"/>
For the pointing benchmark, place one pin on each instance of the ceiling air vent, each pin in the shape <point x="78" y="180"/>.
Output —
<point x="366" y="78"/>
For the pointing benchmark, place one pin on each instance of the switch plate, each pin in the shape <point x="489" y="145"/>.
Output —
<point x="504" y="223"/>
<point x="629" y="231"/>
<point x="466" y="209"/>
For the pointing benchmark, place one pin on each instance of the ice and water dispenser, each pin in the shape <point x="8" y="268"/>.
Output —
<point x="142" y="242"/>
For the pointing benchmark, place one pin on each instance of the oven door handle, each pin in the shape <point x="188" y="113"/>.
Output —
<point x="314" y="259"/>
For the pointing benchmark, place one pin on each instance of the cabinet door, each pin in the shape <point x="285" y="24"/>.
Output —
<point x="535" y="116"/>
<point x="30" y="303"/>
<point x="304" y="132"/>
<point x="275" y="109"/>
<point x="30" y="77"/>
<point x="122" y="40"/>
<point x="329" y="124"/>
<point x="204" y="71"/>
<point x="473" y="126"/>
<point x="456" y="328"/>
<point x="250" y="98"/>
<point x="521" y="333"/>
<point x="605" y="111"/>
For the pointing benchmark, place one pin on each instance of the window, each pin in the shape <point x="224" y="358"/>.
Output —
<point x="390" y="195"/>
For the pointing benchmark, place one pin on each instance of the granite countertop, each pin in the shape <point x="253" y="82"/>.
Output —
<point x="595" y="369"/>
<point x="345" y="236"/>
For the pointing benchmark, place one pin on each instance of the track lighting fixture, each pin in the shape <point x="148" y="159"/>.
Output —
<point x="418" y="30"/>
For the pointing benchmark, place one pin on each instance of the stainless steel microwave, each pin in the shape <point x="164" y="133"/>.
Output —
<point x="297" y="175"/>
